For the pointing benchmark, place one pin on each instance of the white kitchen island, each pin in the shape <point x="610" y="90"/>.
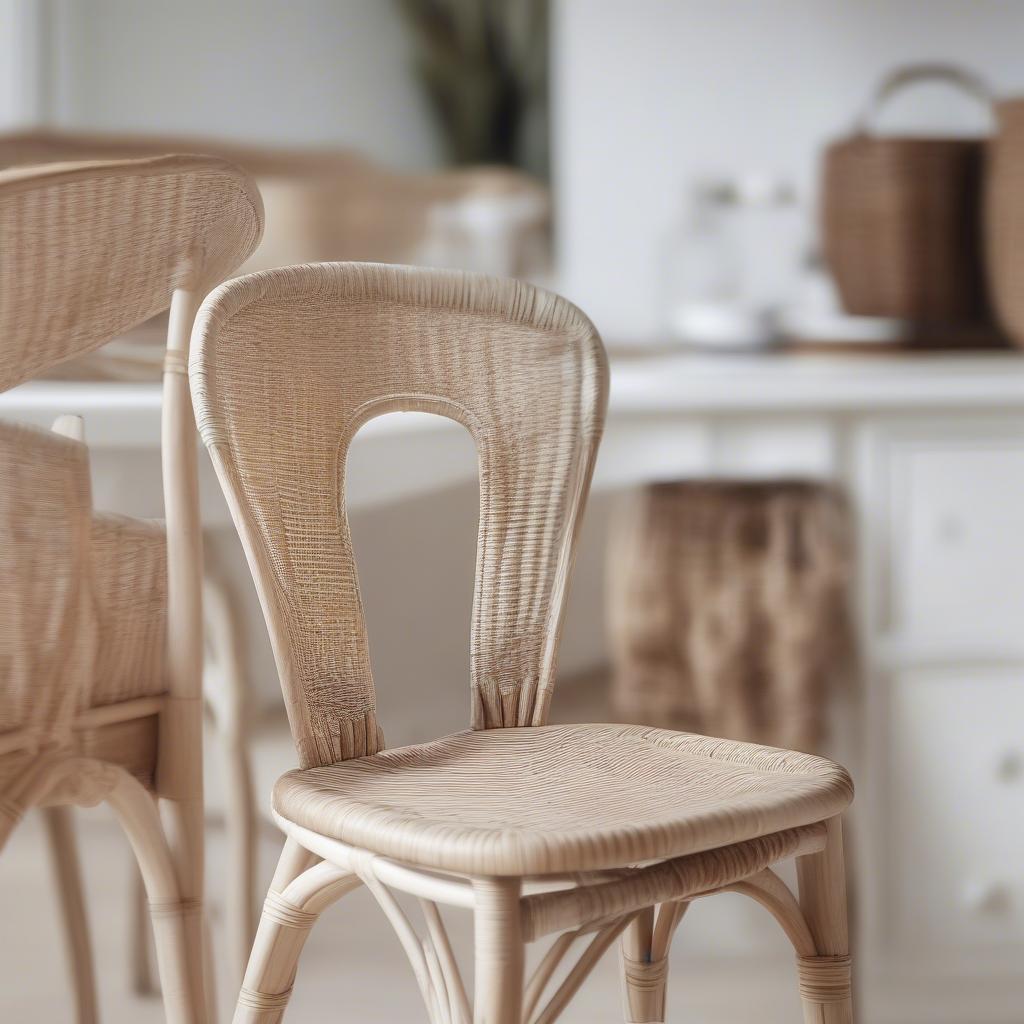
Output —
<point x="930" y="450"/>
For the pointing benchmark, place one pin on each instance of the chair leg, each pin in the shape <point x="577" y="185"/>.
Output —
<point x="645" y="947"/>
<point x="825" y="978"/>
<point x="242" y="849"/>
<point x="224" y="637"/>
<point x="140" y="940"/>
<point x="498" y="952"/>
<point x="177" y="921"/>
<point x="60" y="829"/>
<point x="185" y="825"/>
<point x="289" y="913"/>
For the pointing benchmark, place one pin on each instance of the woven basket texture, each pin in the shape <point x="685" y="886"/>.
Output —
<point x="1004" y="219"/>
<point x="901" y="227"/>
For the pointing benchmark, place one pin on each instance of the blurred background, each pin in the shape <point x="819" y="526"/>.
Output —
<point x="799" y="227"/>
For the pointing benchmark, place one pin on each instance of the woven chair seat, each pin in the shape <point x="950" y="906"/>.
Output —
<point x="129" y="572"/>
<point x="560" y="798"/>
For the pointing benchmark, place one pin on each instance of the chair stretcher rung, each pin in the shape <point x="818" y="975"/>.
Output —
<point x="675" y="879"/>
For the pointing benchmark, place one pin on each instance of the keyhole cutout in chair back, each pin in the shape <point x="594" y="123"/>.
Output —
<point x="414" y="533"/>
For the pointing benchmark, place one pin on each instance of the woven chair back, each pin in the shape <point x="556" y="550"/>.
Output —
<point x="93" y="249"/>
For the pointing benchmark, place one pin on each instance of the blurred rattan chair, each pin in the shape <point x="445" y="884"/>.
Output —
<point x="539" y="830"/>
<point x="335" y="204"/>
<point x="329" y="204"/>
<point x="101" y="642"/>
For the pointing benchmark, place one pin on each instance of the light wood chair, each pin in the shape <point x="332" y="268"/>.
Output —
<point x="589" y="830"/>
<point x="101" y="642"/>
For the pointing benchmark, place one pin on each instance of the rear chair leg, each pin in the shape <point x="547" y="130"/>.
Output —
<point x="645" y="947"/>
<point x="301" y="889"/>
<point x="60" y="827"/>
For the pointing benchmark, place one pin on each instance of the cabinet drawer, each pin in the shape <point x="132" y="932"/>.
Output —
<point x="956" y="540"/>
<point x="956" y="810"/>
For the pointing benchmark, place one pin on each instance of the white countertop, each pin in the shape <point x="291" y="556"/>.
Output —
<point x="685" y="383"/>
<point x="127" y="415"/>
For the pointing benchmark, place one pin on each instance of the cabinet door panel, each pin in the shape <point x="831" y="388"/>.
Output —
<point x="956" y="537"/>
<point x="956" y="810"/>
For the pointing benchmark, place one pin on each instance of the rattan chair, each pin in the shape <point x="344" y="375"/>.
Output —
<point x="539" y="830"/>
<point x="101" y="631"/>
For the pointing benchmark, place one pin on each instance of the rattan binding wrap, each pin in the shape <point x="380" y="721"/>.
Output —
<point x="287" y="365"/>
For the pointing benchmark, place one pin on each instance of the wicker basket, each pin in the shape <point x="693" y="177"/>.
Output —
<point x="901" y="216"/>
<point x="1004" y="220"/>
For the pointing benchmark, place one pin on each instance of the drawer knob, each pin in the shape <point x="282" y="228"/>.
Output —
<point x="987" y="898"/>
<point x="1010" y="766"/>
<point x="951" y="530"/>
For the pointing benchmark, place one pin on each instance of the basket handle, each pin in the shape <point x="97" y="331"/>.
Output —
<point x="910" y="74"/>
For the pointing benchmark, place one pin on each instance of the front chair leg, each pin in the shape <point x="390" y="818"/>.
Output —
<point x="825" y="978"/>
<point x="498" y="952"/>
<point x="301" y="889"/>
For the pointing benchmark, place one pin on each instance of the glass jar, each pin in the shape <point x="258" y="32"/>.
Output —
<point x="731" y="261"/>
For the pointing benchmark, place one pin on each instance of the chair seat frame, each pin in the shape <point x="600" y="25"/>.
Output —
<point x="641" y="904"/>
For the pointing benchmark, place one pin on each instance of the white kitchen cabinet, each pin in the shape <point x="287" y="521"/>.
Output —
<point x="952" y="502"/>
<point x="954" y="820"/>
<point x="941" y="796"/>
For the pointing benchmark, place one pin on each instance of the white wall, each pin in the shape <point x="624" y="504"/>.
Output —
<point x="650" y="93"/>
<point x="22" y="86"/>
<point x="317" y="72"/>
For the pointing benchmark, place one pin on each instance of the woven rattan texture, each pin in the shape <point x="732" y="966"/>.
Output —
<point x="91" y="250"/>
<point x="288" y="364"/>
<point x="44" y="532"/>
<point x="129" y="591"/>
<point x="561" y="798"/>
